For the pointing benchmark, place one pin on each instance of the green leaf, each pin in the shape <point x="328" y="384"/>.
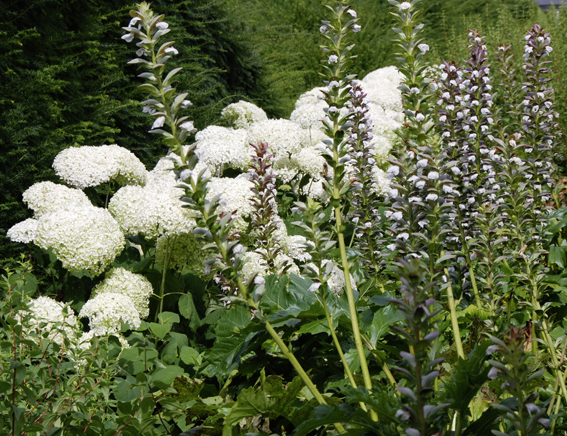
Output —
<point x="467" y="377"/>
<point x="164" y="378"/>
<point x="234" y="333"/>
<point x="271" y="399"/>
<point x="489" y="420"/>
<point x="190" y="356"/>
<point x="286" y="298"/>
<point x="315" y="327"/>
<point x="160" y="330"/>
<point x="187" y="310"/>
<point x="557" y="256"/>
<point x="168" y="318"/>
<point x="383" y="319"/>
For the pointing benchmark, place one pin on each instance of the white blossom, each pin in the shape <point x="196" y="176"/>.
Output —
<point x="47" y="315"/>
<point x="107" y="312"/>
<point x="243" y="114"/>
<point x="83" y="237"/>
<point x="135" y="286"/>
<point x="44" y="197"/>
<point x="24" y="231"/>
<point x="404" y="6"/>
<point x="88" y="166"/>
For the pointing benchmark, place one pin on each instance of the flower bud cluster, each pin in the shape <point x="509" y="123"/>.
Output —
<point x="364" y="198"/>
<point x="265" y="214"/>
<point x="416" y="91"/>
<point x="539" y="119"/>
<point x="163" y="104"/>
<point x="451" y="112"/>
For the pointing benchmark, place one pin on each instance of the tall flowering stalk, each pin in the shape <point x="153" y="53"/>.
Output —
<point x="538" y="118"/>
<point x="419" y="332"/>
<point x="364" y="198"/>
<point x="515" y="369"/>
<point x="337" y="31"/>
<point x="422" y="192"/>
<point x="164" y="103"/>
<point x="506" y="100"/>
<point x="264" y="217"/>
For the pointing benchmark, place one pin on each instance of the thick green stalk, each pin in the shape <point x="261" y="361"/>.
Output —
<point x="352" y="307"/>
<point x="338" y="345"/>
<point x="454" y="320"/>
<point x="165" y="268"/>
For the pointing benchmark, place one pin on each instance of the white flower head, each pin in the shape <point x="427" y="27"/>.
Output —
<point x="128" y="37"/>
<point x="162" y="25"/>
<point x="188" y="126"/>
<point x="404" y="6"/>
<point x="48" y="315"/>
<point x="333" y="59"/>
<point x="424" y="48"/>
<point x="88" y="166"/>
<point x="24" y="231"/>
<point x="83" y="237"/>
<point x="356" y="28"/>
<point x="243" y="114"/>
<point x="159" y="122"/>
<point x="107" y="312"/>
<point x="135" y="286"/>
<point x="352" y="13"/>
<point x="44" y="197"/>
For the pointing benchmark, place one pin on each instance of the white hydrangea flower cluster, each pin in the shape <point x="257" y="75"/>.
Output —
<point x="381" y="87"/>
<point x="284" y="137"/>
<point x="310" y="109"/>
<point x="107" y="312"/>
<point x="310" y="161"/>
<point x="243" y="114"/>
<point x="87" y="166"/>
<point x="44" y="197"/>
<point x="83" y="237"/>
<point x="156" y="208"/>
<point x="46" y="314"/>
<point x="185" y="251"/>
<point x="235" y="195"/>
<point x="134" y="286"/>
<point x="24" y="232"/>
<point x="380" y="181"/>
<point x="222" y="147"/>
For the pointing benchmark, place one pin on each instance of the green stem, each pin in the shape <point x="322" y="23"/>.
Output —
<point x="454" y="320"/>
<point x="297" y="366"/>
<point x="107" y="194"/>
<point x="385" y="368"/>
<point x="553" y="351"/>
<point x="170" y="243"/>
<point x="352" y="308"/>
<point x="337" y="344"/>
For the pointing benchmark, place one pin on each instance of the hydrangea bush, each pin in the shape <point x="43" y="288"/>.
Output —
<point x="350" y="270"/>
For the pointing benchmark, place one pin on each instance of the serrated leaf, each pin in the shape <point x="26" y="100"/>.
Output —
<point x="270" y="399"/>
<point x="383" y="319"/>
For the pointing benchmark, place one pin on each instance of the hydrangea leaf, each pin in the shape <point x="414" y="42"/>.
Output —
<point x="164" y="378"/>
